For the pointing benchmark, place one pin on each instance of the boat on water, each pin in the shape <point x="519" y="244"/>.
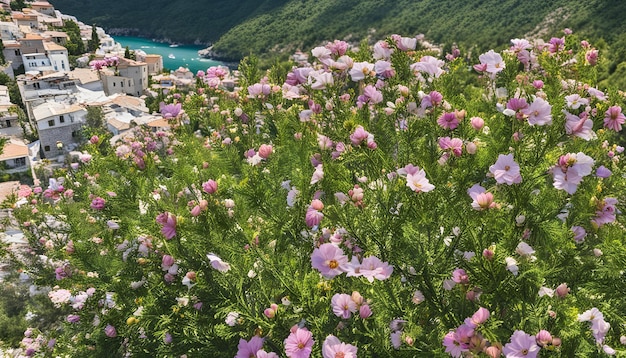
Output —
<point x="171" y="55"/>
<point x="174" y="45"/>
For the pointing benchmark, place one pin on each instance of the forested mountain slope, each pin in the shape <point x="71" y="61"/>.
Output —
<point x="239" y="27"/>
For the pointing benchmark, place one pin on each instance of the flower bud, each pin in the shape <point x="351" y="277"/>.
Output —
<point x="562" y="290"/>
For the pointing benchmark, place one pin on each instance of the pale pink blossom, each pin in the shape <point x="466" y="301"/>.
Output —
<point x="361" y="70"/>
<point x="217" y="263"/>
<point x="343" y="305"/>
<point x="329" y="260"/>
<point x="522" y="345"/>
<point x="579" y="126"/>
<point x="493" y="60"/>
<point x="373" y="268"/>
<point x="318" y="174"/>
<point x="333" y="348"/>
<point x="506" y="170"/>
<point x="418" y="182"/>
<point x="299" y="343"/>
<point x="614" y="118"/>
<point x="574" y="101"/>
<point x="539" y="112"/>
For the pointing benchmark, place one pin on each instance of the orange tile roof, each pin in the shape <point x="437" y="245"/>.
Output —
<point x="13" y="150"/>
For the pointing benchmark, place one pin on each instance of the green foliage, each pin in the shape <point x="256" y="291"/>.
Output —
<point x="206" y="234"/>
<point x="17" y="5"/>
<point x="74" y="45"/>
<point x="94" y="42"/>
<point x="95" y="117"/>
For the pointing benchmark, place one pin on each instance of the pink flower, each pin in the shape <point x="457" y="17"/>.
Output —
<point x="259" y="90"/>
<point x="299" y="343"/>
<point x="318" y="174"/>
<point x="614" y="118"/>
<point x="481" y="316"/>
<point x="453" y="345"/>
<point x="313" y="217"/>
<point x="522" y="345"/>
<point x="169" y="110"/>
<point x="455" y="145"/>
<point x="543" y="338"/>
<point x="359" y="135"/>
<point x="265" y="151"/>
<point x="209" y="186"/>
<point x="606" y="212"/>
<point x="343" y="305"/>
<point x="168" y="221"/>
<point x="556" y="44"/>
<point x="448" y="120"/>
<point x="418" y="181"/>
<point x="333" y="348"/>
<point x="493" y="60"/>
<point x="579" y="126"/>
<point x="574" y="101"/>
<point x="247" y="349"/>
<point x="264" y="354"/>
<point x="433" y="99"/>
<point x="110" y="331"/>
<point x="460" y="276"/>
<point x="481" y="198"/>
<point x="579" y="234"/>
<point x="365" y="311"/>
<point x="329" y="260"/>
<point x="360" y="70"/>
<point x="506" y="170"/>
<point x="428" y="65"/>
<point x="477" y="123"/>
<point x="539" y="112"/>
<point x="320" y="79"/>
<point x="592" y="57"/>
<point x="373" y="268"/>
<point x="217" y="263"/>
<point x="98" y="203"/>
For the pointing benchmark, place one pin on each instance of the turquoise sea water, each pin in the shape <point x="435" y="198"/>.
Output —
<point x="184" y="55"/>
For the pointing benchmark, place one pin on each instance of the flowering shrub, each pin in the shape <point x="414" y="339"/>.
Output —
<point x="383" y="203"/>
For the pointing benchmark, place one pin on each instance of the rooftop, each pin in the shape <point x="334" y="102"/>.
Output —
<point x="84" y="75"/>
<point x="50" y="109"/>
<point x="40" y="4"/>
<point x="14" y="149"/>
<point x="51" y="46"/>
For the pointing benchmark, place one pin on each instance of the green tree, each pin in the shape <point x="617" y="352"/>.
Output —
<point x="2" y="59"/>
<point x="95" y="117"/>
<point x="94" y="43"/>
<point x="17" y="5"/>
<point x="74" y="45"/>
<point x="129" y="54"/>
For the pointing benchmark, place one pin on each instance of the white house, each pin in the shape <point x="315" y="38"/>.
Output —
<point x="59" y="126"/>
<point x="58" y="56"/>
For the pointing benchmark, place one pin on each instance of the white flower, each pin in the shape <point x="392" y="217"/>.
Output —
<point x="545" y="291"/>
<point x="511" y="265"/>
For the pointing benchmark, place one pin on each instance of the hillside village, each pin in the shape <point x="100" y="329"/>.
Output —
<point x="57" y="93"/>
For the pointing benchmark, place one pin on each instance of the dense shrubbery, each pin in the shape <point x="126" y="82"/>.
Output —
<point x="387" y="199"/>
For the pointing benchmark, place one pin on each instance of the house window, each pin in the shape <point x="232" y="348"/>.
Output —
<point x="8" y="123"/>
<point x="113" y="84"/>
<point x="46" y="148"/>
<point x="121" y="83"/>
<point x="51" y="123"/>
<point x="61" y="119"/>
<point x="129" y="83"/>
<point x="20" y="162"/>
<point x="17" y="52"/>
